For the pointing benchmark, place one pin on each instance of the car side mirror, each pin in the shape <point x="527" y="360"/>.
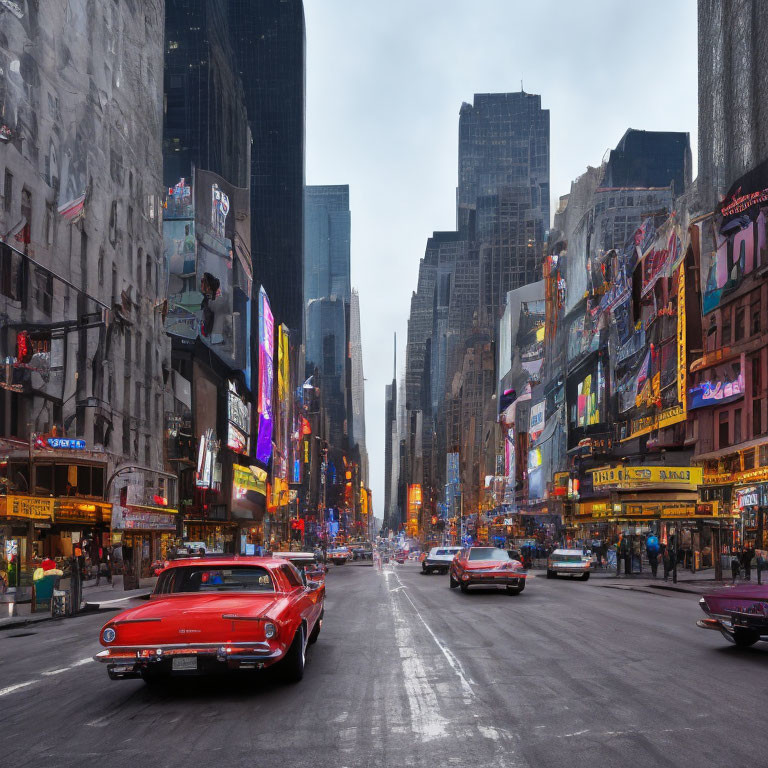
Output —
<point x="313" y="586"/>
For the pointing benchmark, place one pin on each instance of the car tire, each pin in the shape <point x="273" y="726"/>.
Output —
<point x="514" y="590"/>
<point x="338" y="562"/>
<point x="315" y="633"/>
<point x="744" y="638"/>
<point x="293" y="661"/>
<point x="585" y="576"/>
<point x="550" y="574"/>
<point x="464" y="587"/>
<point x="453" y="583"/>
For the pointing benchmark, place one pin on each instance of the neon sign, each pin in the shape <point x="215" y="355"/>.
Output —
<point x="716" y="392"/>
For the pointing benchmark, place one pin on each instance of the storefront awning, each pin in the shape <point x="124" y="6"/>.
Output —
<point x="732" y="449"/>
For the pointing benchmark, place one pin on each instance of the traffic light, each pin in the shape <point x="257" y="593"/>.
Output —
<point x="23" y="347"/>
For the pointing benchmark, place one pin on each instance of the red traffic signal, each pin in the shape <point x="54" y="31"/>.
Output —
<point x="23" y="347"/>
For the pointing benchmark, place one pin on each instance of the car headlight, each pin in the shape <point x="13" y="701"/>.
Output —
<point x="108" y="635"/>
<point x="270" y="630"/>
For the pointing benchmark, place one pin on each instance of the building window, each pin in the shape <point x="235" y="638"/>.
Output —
<point x="148" y="271"/>
<point x="101" y="266"/>
<point x="737" y="426"/>
<point x="757" y="417"/>
<point x="723" y="436"/>
<point x="762" y="455"/>
<point x="113" y="222"/>
<point x="739" y="329"/>
<point x="139" y="257"/>
<point x="7" y="190"/>
<point x="726" y="339"/>
<point x="49" y="219"/>
<point x="749" y="459"/>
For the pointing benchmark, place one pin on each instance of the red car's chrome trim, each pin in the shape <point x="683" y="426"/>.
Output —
<point x="134" y="621"/>
<point x="238" y="617"/>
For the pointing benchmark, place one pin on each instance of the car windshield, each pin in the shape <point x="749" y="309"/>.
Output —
<point x="215" y="579"/>
<point x="566" y="558"/>
<point x="487" y="553"/>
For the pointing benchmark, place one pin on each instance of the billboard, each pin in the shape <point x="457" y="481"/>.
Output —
<point x="266" y="378"/>
<point x="537" y="419"/>
<point x="733" y="241"/>
<point x="206" y="242"/>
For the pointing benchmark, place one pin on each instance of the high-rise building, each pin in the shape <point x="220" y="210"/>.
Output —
<point x="206" y="123"/>
<point x="358" y="386"/>
<point x="212" y="306"/>
<point x="270" y="46"/>
<point x="503" y="190"/>
<point x="327" y="229"/>
<point x="82" y="278"/>
<point x="733" y="134"/>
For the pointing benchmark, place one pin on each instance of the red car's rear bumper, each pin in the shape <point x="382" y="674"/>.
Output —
<point x="129" y="661"/>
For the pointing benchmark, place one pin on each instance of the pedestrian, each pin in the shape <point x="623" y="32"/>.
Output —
<point x="668" y="559"/>
<point x="97" y="555"/>
<point x="735" y="567"/>
<point x="746" y="560"/>
<point x="652" y="548"/>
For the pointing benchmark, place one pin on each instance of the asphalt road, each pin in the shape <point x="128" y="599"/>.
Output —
<point x="409" y="673"/>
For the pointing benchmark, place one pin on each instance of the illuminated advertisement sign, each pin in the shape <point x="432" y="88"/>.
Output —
<point x="266" y="378"/>
<point x="238" y="418"/>
<point x="629" y="476"/>
<point x="537" y="420"/>
<point x="219" y="210"/>
<point x="716" y="392"/>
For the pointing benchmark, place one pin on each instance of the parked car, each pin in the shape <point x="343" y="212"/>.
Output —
<point x="214" y="615"/>
<point x="739" y="613"/>
<point x="439" y="559"/>
<point x="401" y="556"/>
<point x="568" y="562"/>
<point x="307" y="564"/>
<point x="487" y="566"/>
<point x="339" y="555"/>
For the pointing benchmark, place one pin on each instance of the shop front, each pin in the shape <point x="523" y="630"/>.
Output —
<point x="35" y="527"/>
<point x="145" y="535"/>
<point x="249" y="488"/>
<point x="751" y="503"/>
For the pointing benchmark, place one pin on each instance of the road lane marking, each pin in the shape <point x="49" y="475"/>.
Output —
<point x="454" y="663"/>
<point x="12" y="688"/>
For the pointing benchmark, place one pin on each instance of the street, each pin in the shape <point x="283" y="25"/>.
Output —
<point x="409" y="673"/>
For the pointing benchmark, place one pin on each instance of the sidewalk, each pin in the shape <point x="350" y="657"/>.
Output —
<point x="95" y="598"/>
<point x="698" y="583"/>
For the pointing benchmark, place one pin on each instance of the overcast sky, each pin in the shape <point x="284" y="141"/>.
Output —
<point x="386" y="78"/>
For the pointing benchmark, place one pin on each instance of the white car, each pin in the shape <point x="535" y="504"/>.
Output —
<point x="568" y="562"/>
<point x="439" y="559"/>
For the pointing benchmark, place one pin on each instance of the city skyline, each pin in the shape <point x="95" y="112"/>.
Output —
<point x="410" y="111"/>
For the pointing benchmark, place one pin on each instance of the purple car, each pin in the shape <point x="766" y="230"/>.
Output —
<point x="739" y="613"/>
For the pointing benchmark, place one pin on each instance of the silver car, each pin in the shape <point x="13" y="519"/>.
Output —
<point x="568" y="562"/>
<point x="439" y="559"/>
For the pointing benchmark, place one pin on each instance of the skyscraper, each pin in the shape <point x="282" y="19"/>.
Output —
<point x="327" y="242"/>
<point x="358" y="385"/>
<point x="269" y="42"/>
<point x="503" y="191"/>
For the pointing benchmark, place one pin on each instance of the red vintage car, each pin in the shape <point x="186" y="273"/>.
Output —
<point x="488" y="567"/>
<point x="739" y="613"/>
<point x="213" y="614"/>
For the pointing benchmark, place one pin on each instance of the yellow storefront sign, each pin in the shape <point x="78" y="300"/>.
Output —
<point x="666" y="418"/>
<point x="30" y="507"/>
<point x="260" y="475"/>
<point x="243" y="478"/>
<point x="636" y="476"/>
<point x="593" y="509"/>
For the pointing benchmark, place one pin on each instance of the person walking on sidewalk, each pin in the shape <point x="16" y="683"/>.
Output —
<point x="735" y="566"/>
<point x="668" y="559"/>
<point x="746" y="560"/>
<point x="652" y="549"/>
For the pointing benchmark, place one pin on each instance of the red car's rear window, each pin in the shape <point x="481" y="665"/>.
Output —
<point x="202" y="578"/>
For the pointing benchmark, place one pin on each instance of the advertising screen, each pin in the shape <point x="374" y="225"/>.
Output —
<point x="266" y="378"/>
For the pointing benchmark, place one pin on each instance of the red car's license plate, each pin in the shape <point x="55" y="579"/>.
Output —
<point x="184" y="663"/>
